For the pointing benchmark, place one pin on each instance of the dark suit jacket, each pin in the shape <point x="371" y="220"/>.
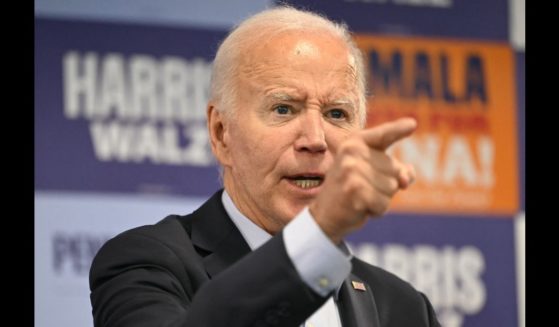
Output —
<point x="197" y="271"/>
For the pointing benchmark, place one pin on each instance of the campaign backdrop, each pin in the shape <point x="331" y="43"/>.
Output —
<point x="121" y="141"/>
<point x="462" y="94"/>
<point x="122" y="107"/>
<point x="465" y="265"/>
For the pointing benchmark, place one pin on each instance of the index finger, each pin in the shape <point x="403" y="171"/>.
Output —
<point x="384" y="135"/>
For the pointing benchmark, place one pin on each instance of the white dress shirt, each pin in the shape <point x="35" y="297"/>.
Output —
<point x="319" y="262"/>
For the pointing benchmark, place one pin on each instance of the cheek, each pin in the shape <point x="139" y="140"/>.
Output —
<point x="252" y="152"/>
<point x="336" y="136"/>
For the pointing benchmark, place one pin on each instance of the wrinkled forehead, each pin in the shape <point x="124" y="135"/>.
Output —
<point x="295" y="50"/>
<point x="303" y="44"/>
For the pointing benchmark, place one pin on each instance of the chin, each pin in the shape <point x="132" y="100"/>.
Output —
<point x="295" y="209"/>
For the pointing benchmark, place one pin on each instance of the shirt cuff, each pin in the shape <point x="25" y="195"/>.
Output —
<point x="319" y="262"/>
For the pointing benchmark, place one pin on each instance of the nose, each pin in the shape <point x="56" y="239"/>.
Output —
<point x="311" y="132"/>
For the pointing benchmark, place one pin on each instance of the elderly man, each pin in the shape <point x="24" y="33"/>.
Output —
<point x="285" y="117"/>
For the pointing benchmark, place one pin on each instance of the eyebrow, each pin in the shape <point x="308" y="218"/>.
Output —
<point x="342" y="101"/>
<point x="282" y="96"/>
<point x="286" y="97"/>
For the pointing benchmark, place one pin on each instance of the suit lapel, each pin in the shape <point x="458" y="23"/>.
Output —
<point x="232" y="248"/>
<point x="216" y="237"/>
<point x="357" y="307"/>
<point x="220" y="243"/>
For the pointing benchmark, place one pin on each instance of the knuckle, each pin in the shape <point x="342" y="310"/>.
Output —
<point x="393" y="186"/>
<point x="379" y="206"/>
<point x="348" y="165"/>
<point x="352" y="185"/>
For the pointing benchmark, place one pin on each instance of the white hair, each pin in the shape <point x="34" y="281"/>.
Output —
<point x="265" y="25"/>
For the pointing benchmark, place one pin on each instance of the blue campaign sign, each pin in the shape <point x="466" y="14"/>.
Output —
<point x="476" y="19"/>
<point x="121" y="107"/>
<point x="465" y="265"/>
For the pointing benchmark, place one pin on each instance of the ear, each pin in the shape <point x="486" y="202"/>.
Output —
<point x="219" y="134"/>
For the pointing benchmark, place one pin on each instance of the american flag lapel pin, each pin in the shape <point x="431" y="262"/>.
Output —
<point x="358" y="285"/>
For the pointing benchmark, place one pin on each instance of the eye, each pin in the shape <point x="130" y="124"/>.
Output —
<point x="282" y="109"/>
<point x="337" y="114"/>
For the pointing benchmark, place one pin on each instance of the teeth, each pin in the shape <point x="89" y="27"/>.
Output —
<point x="307" y="183"/>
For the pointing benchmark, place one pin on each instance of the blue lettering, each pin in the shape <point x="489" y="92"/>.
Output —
<point x="475" y="79"/>
<point x="386" y="77"/>
<point x="422" y="76"/>
<point x="75" y="251"/>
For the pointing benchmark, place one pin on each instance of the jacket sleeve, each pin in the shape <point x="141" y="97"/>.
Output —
<point x="433" y="322"/>
<point x="138" y="280"/>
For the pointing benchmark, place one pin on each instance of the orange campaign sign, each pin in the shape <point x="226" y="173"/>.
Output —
<point x="462" y="95"/>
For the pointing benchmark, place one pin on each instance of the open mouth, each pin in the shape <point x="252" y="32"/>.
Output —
<point x="306" y="182"/>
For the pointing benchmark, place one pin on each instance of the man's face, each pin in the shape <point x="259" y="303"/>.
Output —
<point x="297" y="102"/>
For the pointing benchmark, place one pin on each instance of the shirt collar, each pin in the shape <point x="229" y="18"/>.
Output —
<point x="256" y="236"/>
<point x="252" y="233"/>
